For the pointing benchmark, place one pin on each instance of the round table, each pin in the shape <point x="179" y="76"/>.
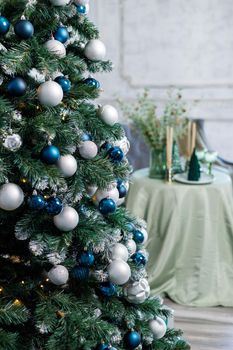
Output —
<point x="190" y="237"/>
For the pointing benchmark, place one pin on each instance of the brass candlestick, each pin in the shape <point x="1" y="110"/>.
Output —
<point x="169" y="175"/>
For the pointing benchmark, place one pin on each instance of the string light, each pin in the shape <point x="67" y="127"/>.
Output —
<point x="1" y="289"/>
<point x="42" y="286"/>
<point x="17" y="302"/>
<point x="47" y="280"/>
<point x="22" y="282"/>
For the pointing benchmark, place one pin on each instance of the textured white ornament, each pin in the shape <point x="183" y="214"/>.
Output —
<point x="11" y="196"/>
<point x="67" y="220"/>
<point x="158" y="327"/>
<point x="13" y="142"/>
<point x="123" y="144"/>
<point x="132" y="246"/>
<point x="101" y="194"/>
<point x="119" y="272"/>
<point x="81" y="2"/>
<point x="36" y="248"/>
<point x="58" y="275"/>
<point x="17" y="116"/>
<point x="95" y="50"/>
<point x="56" y="258"/>
<point x="91" y="190"/>
<point x="60" y="2"/>
<point x="55" y="47"/>
<point x="119" y="251"/>
<point x="68" y="165"/>
<point x="36" y="75"/>
<point x="108" y="114"/>
<point x="50" y="94"/>
<point x="88" y="150"/>
<point x="43" y="328"/>
<point x="137" y="292"/>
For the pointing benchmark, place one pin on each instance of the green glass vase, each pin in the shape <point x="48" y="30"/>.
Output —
<point x="157" y="163"/>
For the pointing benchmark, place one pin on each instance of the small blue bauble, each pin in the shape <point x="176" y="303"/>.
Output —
<point x="86" y="137"/>
<point x="81" y="9"/>
<point x="139" y="259"/>
<point x="138" y="236"/>
<point x="24" y="29"/>
<point x="54" y="206"/>
<point x="116" y="154"/>
<point x="122" y="191"/>
<point x="4" y="25"/>
<point x="86" y="259"/>
<point x="61" y="34"/>
<point x="107" y="289"/>
<point x="64" y="83"/>
<point x="50" y="155"/>
<point x="92" y="82"/>
<point x="102" y="346"/>
<point x="106" y="146"/>
<point x="130" y="227"/>
<point x="132" y="339"/>
<point x="80" y="273"/>
<point x="17" y="87"/>
<point x="36" y="202"/>
<point x="107" y="206"/>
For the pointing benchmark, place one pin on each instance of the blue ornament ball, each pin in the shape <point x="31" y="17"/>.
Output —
<point x="86" y="259"/>
<point x="138" y="236"/>
<point x="36" y="202"/>
<point x="17" y="87"/>
<point x="107" y="289"/>
<point x="50" y="155"/>
<point x="54" y="206"/>
<point x="4" y="25"/>
<point x="80" y="273"/>
<point x="64" y="83"/>
<point x="116" y="154"/>
<point x="92" y="82"/>
<point x="106" y="146"/>
<point x="132" y="339"/>
<point x="61" y="34"/>
<point x="107" y="206"/>
<point x="130" y="227"/>
<point x="24" y="29"/>
<point x="139" y="259"/>
<point x="122" y="191"/>
<point x="86" y="137"/>
<point x="82" y="9"/>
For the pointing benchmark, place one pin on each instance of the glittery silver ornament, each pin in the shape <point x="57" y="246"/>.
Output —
<point x="158" y="327"/>
<point x="55" y="47"/>
<point x="58" y="275"/>
<point x="95" y="50"/>
<point x="12" y="142"/>
<point x="88" y="150"/>
<point x="137" y="292"/>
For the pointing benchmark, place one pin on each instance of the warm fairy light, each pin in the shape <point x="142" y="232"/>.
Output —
<point x="41" y="286"/>
<point x="22" y="282"/>
<point x="24" y="180"/>
<point x="17" y="302"/>
<point x="1" y="289"/>
<point x="47" y="280"/>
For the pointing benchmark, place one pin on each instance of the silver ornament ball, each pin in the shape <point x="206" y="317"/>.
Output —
<point x="158" y="327"/>
<point x="137" y="292"/>
<point x="119" y="272"/>
<point x="67" y="220"/>
<point x="108" y="114"/>
<point x="60" y="2"/>
<point x="131" y="246"/>
<point x="119" y="251"/>
<point x="58" y="275"/>
<point x="13" y="142"/>
<point x="95" y="50"/>
<point x="88" y="150"/>
<point x="55" y="47"/>
<point x="11" y="196"/>
<point x="68" y="165"/>
<point x="101" y="194"/>
<point x="50" y="94"/>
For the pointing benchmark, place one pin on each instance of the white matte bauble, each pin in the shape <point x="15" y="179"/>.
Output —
<point x="67" y="220"/>
<point x="11" y="196"/>
<point x="58" y="275"/>
<point x="119" y="272"/>
<point x="158" y="327"/>
<point x="112" y="193"/>
<point x="50" y="94"/>
<point x="88" y="150"/>
<point x="68" y="165"/>
<point x="81" y="2"/>
<point x="119" y="251"/>
<point x="60" y="2"/>
<point x="131" y="246"/>
<point x="95" y="50"/>
<point x="108" y="114"/>
<point x="137" y="292"/>
<point x="56" y="47"/>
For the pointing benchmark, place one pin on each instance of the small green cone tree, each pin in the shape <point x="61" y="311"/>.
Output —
<point x="72" y="263"/>
<point x="194" y="172"/>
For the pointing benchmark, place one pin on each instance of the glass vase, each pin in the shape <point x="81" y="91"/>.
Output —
<point x="157" y="163"/>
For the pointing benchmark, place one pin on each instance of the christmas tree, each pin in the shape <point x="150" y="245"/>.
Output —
<point x="72" y="270"/>
<point x="194" y="173"/>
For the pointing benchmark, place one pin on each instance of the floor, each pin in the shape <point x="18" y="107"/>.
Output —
<point x="205" y="328"/>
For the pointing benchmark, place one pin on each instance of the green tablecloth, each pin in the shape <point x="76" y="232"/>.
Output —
<point x="190" y="237"/>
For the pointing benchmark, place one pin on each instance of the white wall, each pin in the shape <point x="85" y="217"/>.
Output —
<point x="163" y="43"/>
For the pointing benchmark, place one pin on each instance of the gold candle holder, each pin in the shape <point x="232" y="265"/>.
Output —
<point x="169" y="175"/>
